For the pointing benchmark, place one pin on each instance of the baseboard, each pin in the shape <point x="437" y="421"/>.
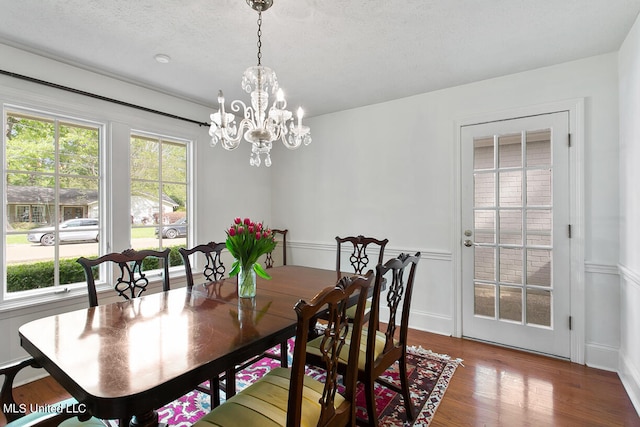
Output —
<point x="630" y="378"/>
<point x="601" y="357"/>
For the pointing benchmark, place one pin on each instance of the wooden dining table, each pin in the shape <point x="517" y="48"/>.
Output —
<point x="126" y="359"/>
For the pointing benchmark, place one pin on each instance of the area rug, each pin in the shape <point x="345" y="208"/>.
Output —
<point x="429" y="376"/>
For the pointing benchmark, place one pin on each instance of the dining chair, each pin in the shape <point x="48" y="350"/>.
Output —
<point x="385" y="343"/>
<point x="288" y="397"/>
<point x="212" y="270"/>
<point x="359" y="258"/>
<point x="132" y="281"/>
<point x="269" y="261"/>
<point x="64" y="413"/>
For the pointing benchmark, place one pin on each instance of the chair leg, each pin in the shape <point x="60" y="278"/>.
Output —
<point x="370" y="398"/>
<point x="404" y="385"/>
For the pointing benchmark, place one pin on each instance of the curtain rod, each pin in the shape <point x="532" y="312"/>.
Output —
<point x="100" y="97"/>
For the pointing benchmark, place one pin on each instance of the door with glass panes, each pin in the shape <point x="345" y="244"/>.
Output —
<point x="515" y="233"/>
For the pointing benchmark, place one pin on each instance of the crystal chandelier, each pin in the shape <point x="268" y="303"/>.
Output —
<point x="259" y="126"/>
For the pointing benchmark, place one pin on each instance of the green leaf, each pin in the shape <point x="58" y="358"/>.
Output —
<point x="235" y="269"/>
<point x="261" y="271"/>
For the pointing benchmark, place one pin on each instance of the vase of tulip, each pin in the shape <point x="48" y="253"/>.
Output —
<point x="247" y="241"/>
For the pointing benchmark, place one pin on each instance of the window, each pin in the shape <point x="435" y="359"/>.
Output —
<point x="52" y="181"/>
<point x="159" y="193"/>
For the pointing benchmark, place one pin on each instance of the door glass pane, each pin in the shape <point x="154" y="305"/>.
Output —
<point x="510" y="151"/>
<point x="511" y="226"/>
<point x="485" y="263"/>
<point x="510" y="303"/>
<point x="484" y="300"/>
<point x="511" y="189"/>
<point x="484" y="190"/>
<point x="539" y="227"/>
<point x="539" y="307"/>
<point x="539" y="267"/>
<point x="483" y="153"/>
<point x="485" y="226"/>
<point x="539" y="187"/>
<point x="511" y="265"/>
<point x="539" y="148"/>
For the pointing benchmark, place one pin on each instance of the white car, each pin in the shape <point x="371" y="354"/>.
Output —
<point x="72" y="230"/>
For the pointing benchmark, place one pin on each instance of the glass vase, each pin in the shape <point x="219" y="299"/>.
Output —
<point x="247" y="282"/>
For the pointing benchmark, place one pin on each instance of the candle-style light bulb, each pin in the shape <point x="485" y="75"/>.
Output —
<point x="300" y="114"/>
<point x="279" y="98"/>
<point x="223" y="118"/>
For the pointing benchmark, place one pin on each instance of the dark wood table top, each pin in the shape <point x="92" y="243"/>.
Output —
<point x="134" y="356"/>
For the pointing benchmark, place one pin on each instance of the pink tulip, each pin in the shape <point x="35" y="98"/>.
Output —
<point x="251" y="229"/>
<point x="247" y="221"/>
<point x="240" y="230"/>
<point x="232" y="232"/>
<point x="257" y="235"/>
<point x="259" y="226"/>
<point x="237" y="220"/>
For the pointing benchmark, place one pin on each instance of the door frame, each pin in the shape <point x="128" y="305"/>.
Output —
<point x="575" y="107"/>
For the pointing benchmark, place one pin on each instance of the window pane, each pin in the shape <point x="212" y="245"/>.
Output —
<point x="511" y="265"/>
<point x="485" y="226"/>
<point x="511" y="226"/>
<point x="539" y="187"/>
<point x="539" y="227"/>
<point x="539" y="148"/>
<point x="52" y="200"/>
<point x="485" y="193"/>
<point x="483" y="153"/>
<point x="511" y="303"/>
<point x="510" y="151"/>
<point x="539" y="307"/>
<point x="485" y="263"/>
<point x="539" y="267"/>
<point x="511" y="189"/>
<point x="484" y="300"/>
<point x="159" y="193"/>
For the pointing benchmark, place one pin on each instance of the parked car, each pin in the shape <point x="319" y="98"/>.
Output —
<point x="176" y="229"/>
<point x="72" y="230"/>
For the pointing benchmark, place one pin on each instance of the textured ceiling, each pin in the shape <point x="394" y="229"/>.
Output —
<point x="329" y="55"/>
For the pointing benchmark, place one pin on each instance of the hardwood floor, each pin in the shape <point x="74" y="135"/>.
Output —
<point x="505" y="387"/>
<point x="495" y="387"/>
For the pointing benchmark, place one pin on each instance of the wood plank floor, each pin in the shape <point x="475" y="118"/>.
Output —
<point x="495" y="387"/>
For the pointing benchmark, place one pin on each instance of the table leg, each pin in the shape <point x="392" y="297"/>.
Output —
<point x="230" y="377"/>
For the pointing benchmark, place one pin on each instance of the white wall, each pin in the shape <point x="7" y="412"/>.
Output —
<point x="388" y="170"/>
<point x="629" y="75"/>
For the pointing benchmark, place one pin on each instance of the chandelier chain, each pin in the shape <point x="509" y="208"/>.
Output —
<point x="259" y="36"/>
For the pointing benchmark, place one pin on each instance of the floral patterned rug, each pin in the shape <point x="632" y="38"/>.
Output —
<point x="429" y="376"/>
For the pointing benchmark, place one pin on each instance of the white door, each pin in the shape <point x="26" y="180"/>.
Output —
<point x="515" y="233"/>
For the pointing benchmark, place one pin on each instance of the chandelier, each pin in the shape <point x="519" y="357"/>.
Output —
<point x="258" y="126"/>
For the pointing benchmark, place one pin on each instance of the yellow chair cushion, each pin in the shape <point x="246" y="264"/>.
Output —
<point x="351" y="311"/>
<point x="264" y="403"/>
<point x="313" y="347"/>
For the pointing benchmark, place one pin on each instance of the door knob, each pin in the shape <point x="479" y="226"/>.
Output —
<point x="468" y="243"/>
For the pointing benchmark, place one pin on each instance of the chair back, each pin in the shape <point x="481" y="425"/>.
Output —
<point x="359" y="258"/>
<point x="269" y="261"/>
<point x="399" y="290"/>
<point x="213" y="268"/>
<point x="132" y="280"/>
<point x="334" y="300"/>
